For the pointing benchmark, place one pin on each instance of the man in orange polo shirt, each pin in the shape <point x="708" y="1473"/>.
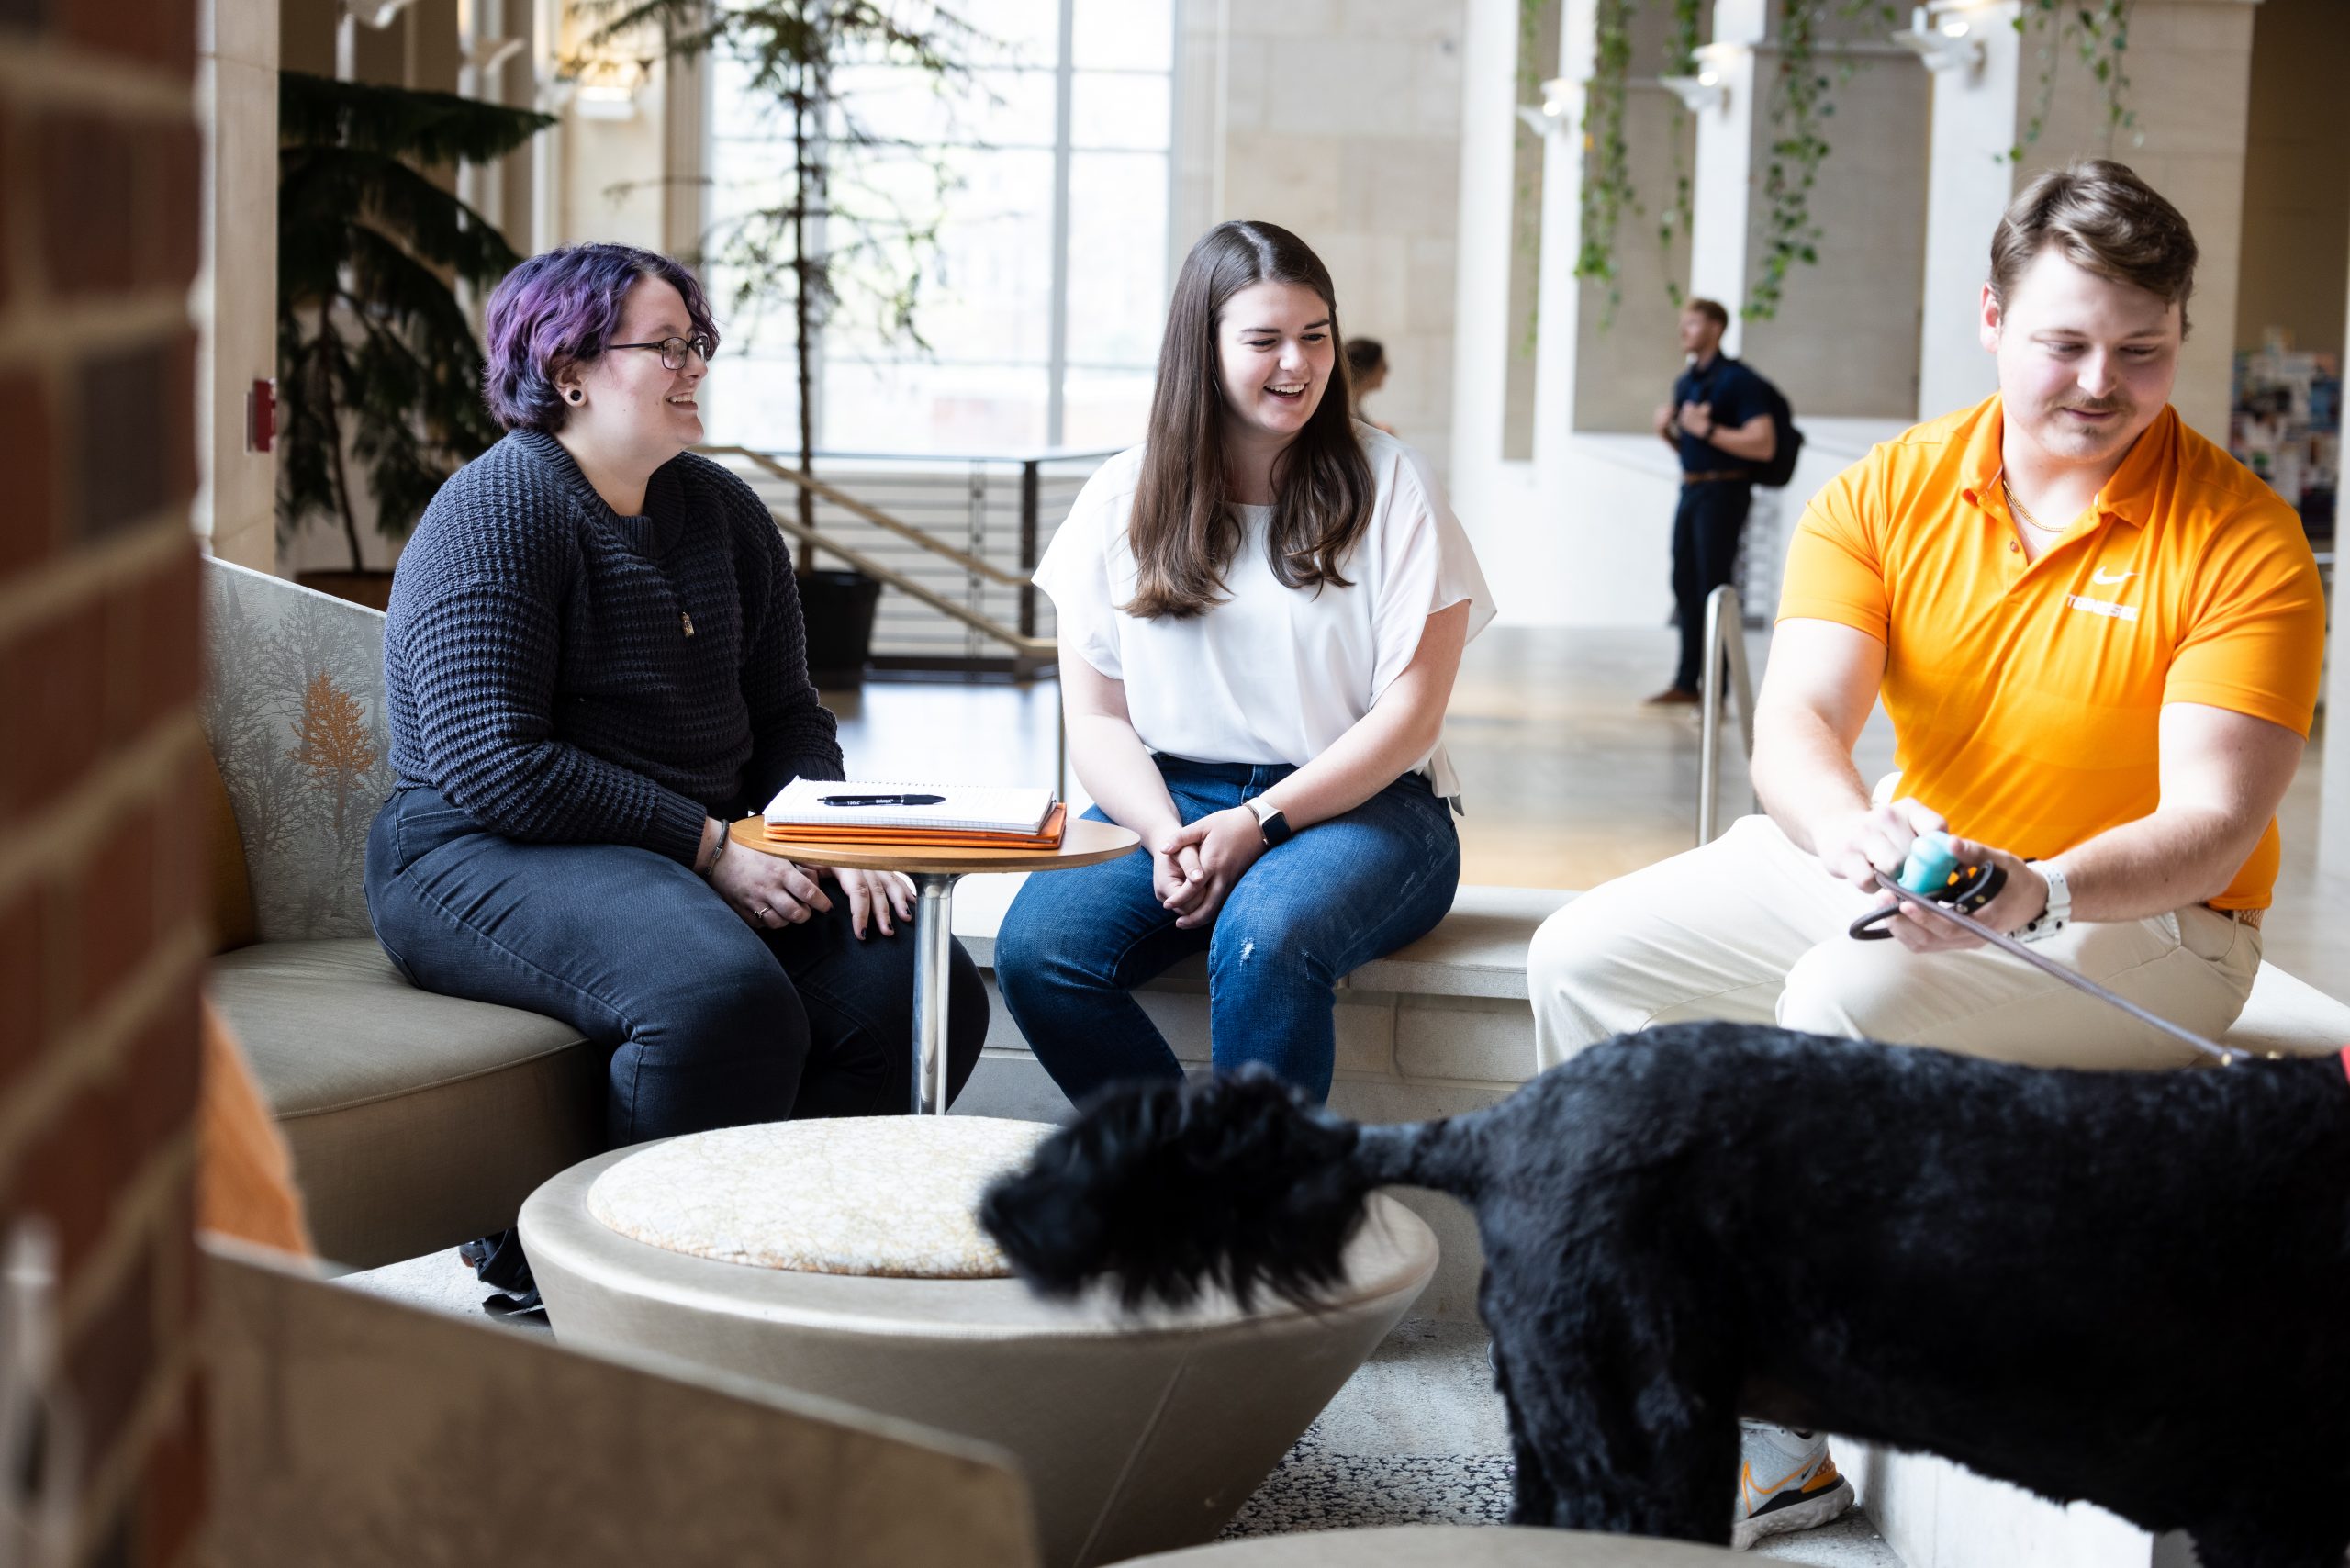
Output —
<point x="2098" y="639"/>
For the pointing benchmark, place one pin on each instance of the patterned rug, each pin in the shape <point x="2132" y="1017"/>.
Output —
<point x="1313" y="1489"/>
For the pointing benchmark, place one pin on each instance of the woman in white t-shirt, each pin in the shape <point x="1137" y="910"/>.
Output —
<point x="1262" y="610"/>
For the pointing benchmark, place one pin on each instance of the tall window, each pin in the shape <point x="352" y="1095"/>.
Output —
<point x="1043" y="303"/>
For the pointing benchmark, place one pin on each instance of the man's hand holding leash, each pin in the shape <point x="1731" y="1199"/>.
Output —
<point x="1877" y="841"/>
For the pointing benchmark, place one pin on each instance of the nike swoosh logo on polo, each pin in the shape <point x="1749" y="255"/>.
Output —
<point x="2107" y="579"/>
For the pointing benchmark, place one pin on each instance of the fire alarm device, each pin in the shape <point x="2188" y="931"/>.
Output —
<point x="260" y="415"/>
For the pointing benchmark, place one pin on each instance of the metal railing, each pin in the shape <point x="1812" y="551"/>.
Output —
<point x="1725" y="649"/>
<point x="953" y="538"/>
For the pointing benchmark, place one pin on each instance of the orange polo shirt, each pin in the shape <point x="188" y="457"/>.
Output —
<point x="2025" y="697"/>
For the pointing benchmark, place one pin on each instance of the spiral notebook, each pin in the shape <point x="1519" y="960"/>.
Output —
<point x="817" y="808"/>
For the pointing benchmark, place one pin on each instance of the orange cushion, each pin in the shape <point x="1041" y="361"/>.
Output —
<point x="233" y="922"/>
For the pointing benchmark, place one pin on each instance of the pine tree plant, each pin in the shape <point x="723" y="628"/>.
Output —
<point x="377" y="356"/>
<point x="836" y="237"/>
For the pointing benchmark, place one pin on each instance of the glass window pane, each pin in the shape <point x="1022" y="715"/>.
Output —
<point x="1118" y="257"/>
<point x="1118" y="110"/>
<point x="985" y="291"/>
<point x="1122" y="35"/>
<point x="997" y="108"/>
<point x="752" y="399"/>
<point x="913" y="407"/>
<point x="1020" y="32"/>
<point x="1105" y="409"/>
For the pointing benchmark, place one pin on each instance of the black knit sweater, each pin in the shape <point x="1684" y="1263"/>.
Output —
<point x="562" y="673"/>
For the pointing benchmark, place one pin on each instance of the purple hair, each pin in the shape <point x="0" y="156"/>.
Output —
<point x="558" y="308"/>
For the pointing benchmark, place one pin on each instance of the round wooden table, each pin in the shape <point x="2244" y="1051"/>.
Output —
<point x="934" y="872"/>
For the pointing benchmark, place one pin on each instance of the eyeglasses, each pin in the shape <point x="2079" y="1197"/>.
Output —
<point x="673" y="350"/>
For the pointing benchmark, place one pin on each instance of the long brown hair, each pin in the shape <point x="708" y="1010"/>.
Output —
<point x="1182" y="532"/>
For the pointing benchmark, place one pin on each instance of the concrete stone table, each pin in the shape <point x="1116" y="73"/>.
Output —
<point x="796" y="1253"/>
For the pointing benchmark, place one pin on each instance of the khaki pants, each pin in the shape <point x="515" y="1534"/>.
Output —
<point x="1752" y="929"/>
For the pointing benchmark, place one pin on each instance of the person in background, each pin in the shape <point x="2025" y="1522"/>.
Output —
<point x="1262" y="610"/>
<point x="1718" y="423"/>
<point x="1366" y="373"/>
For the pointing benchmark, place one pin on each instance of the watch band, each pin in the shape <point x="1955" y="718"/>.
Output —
<point x="2059" y="912"/>
<point x="1270" y="823"/>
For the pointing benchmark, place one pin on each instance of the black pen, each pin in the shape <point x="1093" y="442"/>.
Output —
<point x="880" y="800"/>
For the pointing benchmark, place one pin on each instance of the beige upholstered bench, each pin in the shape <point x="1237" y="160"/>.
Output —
<point x="416" y="1121"/>
<point x="840" y="1259"/>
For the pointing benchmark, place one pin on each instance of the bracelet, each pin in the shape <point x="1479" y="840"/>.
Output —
<point x="724" y="838"/>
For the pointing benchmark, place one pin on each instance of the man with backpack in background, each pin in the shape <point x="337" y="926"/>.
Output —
<point x="1723" y="422"/>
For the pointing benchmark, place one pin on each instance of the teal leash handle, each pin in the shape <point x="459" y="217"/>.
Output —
<point x="2007" y="944"/>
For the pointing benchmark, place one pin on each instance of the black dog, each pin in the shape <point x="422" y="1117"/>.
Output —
<point x="2132" y="1288"/>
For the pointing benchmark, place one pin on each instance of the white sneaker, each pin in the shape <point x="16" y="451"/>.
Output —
<point x="1785" y="1481"/>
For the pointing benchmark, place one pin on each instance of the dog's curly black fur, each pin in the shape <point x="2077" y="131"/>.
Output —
<point x="2130" y="1288"/>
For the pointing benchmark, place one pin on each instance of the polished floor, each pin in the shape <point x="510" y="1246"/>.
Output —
<point x="1567" y="780"/>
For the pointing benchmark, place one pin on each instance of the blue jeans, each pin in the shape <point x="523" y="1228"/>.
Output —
<point x="711" y="1023"/>
<point x="1075" y="943"/>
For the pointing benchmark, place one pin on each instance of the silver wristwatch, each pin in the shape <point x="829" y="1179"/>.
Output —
<point x="2059" y="912"/>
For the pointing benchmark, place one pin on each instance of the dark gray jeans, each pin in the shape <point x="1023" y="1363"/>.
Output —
<point x="711" y="1023"/>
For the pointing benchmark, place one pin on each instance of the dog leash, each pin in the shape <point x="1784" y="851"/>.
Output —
<point x="2226" y="1056"/>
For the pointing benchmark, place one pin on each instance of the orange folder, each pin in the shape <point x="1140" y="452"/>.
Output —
<point x="1047" y="838"/>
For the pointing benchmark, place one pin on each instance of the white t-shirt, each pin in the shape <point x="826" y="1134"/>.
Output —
<point x="1273" y="673"/>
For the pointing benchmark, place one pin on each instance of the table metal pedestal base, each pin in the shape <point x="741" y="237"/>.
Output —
<point x="934" y="943"/>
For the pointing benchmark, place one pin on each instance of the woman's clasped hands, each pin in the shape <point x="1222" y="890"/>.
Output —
<point x="1193" y="868"/>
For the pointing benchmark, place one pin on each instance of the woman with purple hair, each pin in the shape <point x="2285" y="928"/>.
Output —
<point x="594" y="659"/>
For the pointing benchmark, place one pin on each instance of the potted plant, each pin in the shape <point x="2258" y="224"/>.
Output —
<point x="379" y="370"/>
<point x="788" y="252"/>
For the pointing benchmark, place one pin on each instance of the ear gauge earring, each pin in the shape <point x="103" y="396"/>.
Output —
<point x="576" y="396"/>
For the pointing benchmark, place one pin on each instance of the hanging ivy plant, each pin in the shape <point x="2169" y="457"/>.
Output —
<point x="2099" y="33"/>
<point x="1607" y="155"/>
<point x="1680" y="216"/>
<point x="1799" y="101"/>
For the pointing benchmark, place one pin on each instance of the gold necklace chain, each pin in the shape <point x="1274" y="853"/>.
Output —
<point x="2022" y="514"/>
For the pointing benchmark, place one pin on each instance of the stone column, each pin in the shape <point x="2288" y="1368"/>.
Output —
<point x="2333" y="782"/>
<point x="685" y="195"/>
<point x="235" y="296"/>
<point x="1724" y="182"/>
<point x="1968" y="186"/>
<point x="2189" y="64"/>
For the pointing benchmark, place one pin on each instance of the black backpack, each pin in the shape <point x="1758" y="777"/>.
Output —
<point x="1788" y="443"/>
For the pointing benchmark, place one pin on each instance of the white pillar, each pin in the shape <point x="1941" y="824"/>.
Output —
<point x="1488" y="128"/>
<point x="1969" y="186"/>
<point x="685" y="190"/>
<point x="235" y="297"/>
<point x="2334" y="781"/>
<point x="1558" y="292"/>
<point x="1723" y="184"/>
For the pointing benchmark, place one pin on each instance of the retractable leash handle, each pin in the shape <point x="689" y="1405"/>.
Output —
<point x="1933" y="872"/>
<point x="1961" y="915"/>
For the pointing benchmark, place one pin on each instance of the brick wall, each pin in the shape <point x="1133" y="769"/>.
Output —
<point x="101" y="941"/>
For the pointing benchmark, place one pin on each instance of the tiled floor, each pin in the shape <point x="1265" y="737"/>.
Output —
<point x="1567" y="780"/>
